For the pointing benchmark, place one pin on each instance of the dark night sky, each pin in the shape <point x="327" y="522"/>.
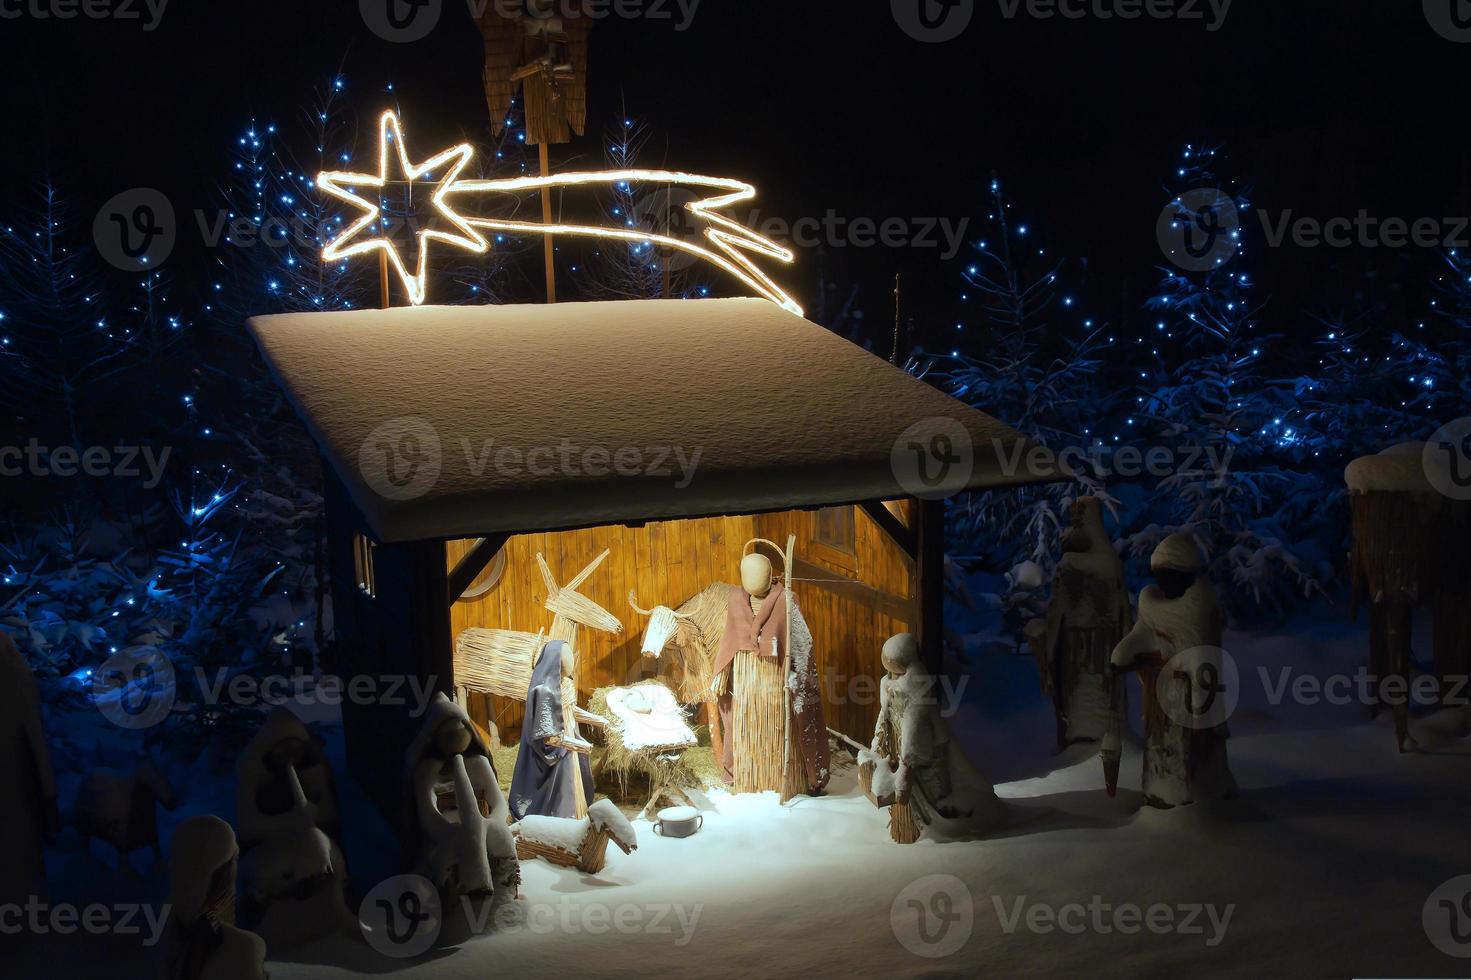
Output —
<point x="1331" y="105"/>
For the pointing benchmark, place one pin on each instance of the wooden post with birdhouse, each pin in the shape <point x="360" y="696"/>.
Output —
<point x="543" y="51"/>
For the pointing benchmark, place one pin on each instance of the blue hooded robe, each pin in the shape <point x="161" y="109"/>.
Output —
<point x="542" y="784"/>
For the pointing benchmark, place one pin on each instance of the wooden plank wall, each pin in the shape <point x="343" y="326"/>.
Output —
<point x="667" y="563"/>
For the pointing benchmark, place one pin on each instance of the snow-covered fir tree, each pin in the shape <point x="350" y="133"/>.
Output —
<point x="1206" y="395"/>
<point x="1026" y="352"/>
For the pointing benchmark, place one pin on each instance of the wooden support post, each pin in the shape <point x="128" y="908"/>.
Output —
<point x="474" y="562"/>
<point x="931" y="592"/>
<point x="1399" y="619"/>
<point x="384" y="297"/>
<point x="901" y="535"/>
<point x="546" y="217"/>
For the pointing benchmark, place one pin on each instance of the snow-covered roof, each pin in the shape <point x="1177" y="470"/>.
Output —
<point x="530" y="418"/>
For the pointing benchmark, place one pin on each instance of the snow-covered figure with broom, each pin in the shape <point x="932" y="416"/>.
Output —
<point x="1189" y="684"/>
<point x="914" y="767"/>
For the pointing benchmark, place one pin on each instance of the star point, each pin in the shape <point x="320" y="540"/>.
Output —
<point x="341" y="185"/>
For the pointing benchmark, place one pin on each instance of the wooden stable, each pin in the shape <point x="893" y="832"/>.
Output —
<point x="796" y="430"/>
<point x="856" y="585"/>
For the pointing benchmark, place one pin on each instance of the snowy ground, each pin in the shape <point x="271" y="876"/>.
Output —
<point x="1322" y="868"/>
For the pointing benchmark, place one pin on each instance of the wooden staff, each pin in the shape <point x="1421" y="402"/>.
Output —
<point x="787" y="675"/>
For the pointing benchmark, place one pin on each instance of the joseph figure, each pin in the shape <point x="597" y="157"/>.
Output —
<point x="751" y="675"/>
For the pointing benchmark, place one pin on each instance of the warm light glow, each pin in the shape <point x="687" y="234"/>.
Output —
<point x="730" y="241"/>
<point x="337" y="185"/>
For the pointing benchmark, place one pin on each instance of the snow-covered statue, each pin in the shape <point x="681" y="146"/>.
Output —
<point x="28" y="810"/>
<point x="914" y="766"/>
<point x="460" y="825"/>
<point x="201" y="941"/>
<point x="553" y="777"/>
<point x="293" y="871"/>
<point x="122" y="810"/>
<point x="1176" y="649"/>
<point x="1088" y="615"/>
<point x="754" y="673"/>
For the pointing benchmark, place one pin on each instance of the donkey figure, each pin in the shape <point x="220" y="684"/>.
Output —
<point x="121" y="810"/>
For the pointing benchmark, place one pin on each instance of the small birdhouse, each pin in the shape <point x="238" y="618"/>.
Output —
<point x="542" y="50"/>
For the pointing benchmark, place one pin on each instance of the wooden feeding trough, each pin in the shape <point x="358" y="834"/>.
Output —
<point x="449" y="443"/>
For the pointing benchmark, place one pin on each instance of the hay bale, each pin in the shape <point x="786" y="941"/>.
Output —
<point x="496" y="661"/>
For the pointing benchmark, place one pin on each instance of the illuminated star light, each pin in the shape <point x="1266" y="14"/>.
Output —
<point x="337" y="184"/>
<point x="731" y="243"/>
<point x="732" y="239"/>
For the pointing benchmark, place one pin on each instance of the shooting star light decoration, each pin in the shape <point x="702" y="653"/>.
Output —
<point x="730" y="244"/>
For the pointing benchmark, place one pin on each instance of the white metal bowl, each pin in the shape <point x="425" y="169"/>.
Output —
<point x="679" y="821"/>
